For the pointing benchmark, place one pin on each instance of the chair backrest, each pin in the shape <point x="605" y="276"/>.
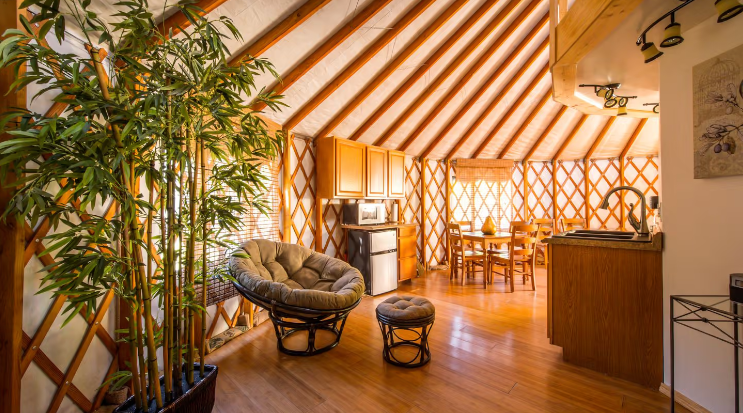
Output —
<point x="517" y="223"/>
<point x="470" y="225"/>
<point x="527" y="237"/>
<point x="569" y="224"/>
<point x="546" y="227"/>
<point x="456" y="240"/>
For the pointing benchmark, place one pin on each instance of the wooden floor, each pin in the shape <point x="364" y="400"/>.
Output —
<point x="490" y="353"/>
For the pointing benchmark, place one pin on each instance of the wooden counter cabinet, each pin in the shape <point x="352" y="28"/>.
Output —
<point x="407" y="252"/>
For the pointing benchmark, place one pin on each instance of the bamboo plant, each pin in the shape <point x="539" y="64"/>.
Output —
<point x="122" y="174"/>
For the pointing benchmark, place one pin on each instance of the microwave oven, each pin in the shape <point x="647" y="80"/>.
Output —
<point x="364" y="214"/>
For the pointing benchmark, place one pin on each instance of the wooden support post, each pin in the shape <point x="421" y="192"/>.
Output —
<point x="554" y="192"/>
<point x="286" y="186"/>
<point x="586" y="166"/>
<point x="526" y="191"/>
<point x="447" y="165"/>
<point x="318" y="225"/>
<point x="424" y="215"/>
<point x="623" y="166"/>
<point x="622" y="212"/>
<point x="11" y="245"/>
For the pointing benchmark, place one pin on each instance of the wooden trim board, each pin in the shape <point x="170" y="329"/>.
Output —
<point x="683" y="400"/>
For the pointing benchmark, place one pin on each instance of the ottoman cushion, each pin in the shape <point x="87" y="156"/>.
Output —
<point x="406" y="307"/>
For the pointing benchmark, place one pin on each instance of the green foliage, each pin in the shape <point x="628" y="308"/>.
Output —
<point x="167" y="94"/>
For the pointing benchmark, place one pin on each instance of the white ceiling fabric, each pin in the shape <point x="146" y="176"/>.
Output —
<point x="255" y="17"/>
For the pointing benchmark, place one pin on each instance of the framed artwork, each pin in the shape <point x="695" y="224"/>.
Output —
<point x="718" y="115"/>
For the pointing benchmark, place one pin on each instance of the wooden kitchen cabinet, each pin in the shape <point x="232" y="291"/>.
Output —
<point x="341" y="168"/>
<point x="396" y="174"/>
<point x="407" y="252"/>
<point x="376" y="172"/>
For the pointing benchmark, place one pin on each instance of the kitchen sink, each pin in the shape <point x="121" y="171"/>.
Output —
<point x="590" y="234"/>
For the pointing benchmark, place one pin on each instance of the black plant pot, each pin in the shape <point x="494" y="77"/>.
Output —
<point x="198" y="398"/>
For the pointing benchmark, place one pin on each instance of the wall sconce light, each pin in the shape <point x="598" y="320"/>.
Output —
<point x="727" y="9"/>
<point x="656" y="106"/>
<point x="672" y="34"/>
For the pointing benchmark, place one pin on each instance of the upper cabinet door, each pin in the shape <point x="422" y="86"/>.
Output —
<point x="376" y="172"/>
<point x="396" y="175"/>
<point x="349" y="168"/>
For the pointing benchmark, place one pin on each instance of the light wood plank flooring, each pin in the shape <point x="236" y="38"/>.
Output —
<point x="490" y="353"/>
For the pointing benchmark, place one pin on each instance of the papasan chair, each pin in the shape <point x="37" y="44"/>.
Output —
<point x="302" y="290"/>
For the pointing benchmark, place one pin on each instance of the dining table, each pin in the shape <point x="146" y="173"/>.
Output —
<point x="486" y="240"/>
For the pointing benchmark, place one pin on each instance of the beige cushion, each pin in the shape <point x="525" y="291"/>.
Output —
<point x="406" y="308"/>
<point x="295" y="275"/>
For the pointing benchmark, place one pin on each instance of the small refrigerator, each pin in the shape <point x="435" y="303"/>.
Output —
<point x="374" y="254"/>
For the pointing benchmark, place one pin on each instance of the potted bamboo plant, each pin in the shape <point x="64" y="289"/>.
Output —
<point x="154" y="159"/>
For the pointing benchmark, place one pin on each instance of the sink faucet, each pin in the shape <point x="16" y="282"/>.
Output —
<point x="642" y="226"/>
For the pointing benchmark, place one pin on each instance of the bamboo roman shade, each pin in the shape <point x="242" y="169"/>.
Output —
<point x="487" y="170"/>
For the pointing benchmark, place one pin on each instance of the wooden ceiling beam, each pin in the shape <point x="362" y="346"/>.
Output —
<point x="178" y="21"/>
<point x="570" y="137"/>
<point x="483" y="88"/>
<point x="391" y="67"/>
<point x="361" y="59"/>
<point x="280" y="30"/>
<point x="462" y="81"/>
<point x="633" y="138"/>
<point x="544" y="134"/>
<point x="511" y="110"/>
<point x="431" y="88"/>
<point x="492" y="105"/>
<point x="526" y="122"/>
<point x="426" y="66"/>
<point x="324" y="49"/>
<point x="600" y="138"/>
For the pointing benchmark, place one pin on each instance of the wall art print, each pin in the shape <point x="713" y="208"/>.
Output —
<point x="718" y="115"/>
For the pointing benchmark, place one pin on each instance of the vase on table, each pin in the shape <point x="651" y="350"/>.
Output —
<point x="488" y="228"/>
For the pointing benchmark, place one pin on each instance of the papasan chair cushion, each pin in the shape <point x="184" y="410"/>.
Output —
<point x="297" y="276"/>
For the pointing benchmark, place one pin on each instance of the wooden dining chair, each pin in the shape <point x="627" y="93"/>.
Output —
<point x="569" y="224"/>
<point x="461" y="256"/>
<point x="524" y="256"/>
<point x="546" y="229"/>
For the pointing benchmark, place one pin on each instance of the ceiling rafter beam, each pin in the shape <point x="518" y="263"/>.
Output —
<point x="324" y="49"/>
<point x="544" y="134"/>
<point x="546" y="98"/>
<point x="511" y="110"/>
<point x="279" y="31"/>
<point x="361" y="59"/>
<point x="633" y="138"/>
<point x="457" y="61"/>
<point x="462" y="82"/>
<point x="570" y="137"/>
<point x="426" y="66"/>
<point x="486" y="85"/>
<point x="600" y="138"/>
<point x="178" y="21"/>
<point x="494" y="103"/>
<point x="391" y="67"/>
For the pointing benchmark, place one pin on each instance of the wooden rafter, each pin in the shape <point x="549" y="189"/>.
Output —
<point x="450" y="69"/>
<point x="570" y="137"/>
<point x="600" y="137"/>
<point x="178" y="21"/>
<point x="633" y="138"/>
<point x="544" y="134"/>
<point x="426" y="66"/>
<point x="391" y="67"/>
<point x="361" y="59"/>
<point x="525" y="123"/>
<point x="279" y="31"/>
<point x="511" y="110"/>
<point x="324" y="49"/>
<point x="495" y="102"/>
<point x="462" y="82"/>
<point x="484" y="88"/>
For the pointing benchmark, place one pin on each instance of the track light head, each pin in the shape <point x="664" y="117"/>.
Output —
<point x="622" y="111"/>
<point x="650" y="52"/>
<point x="672" y="35"/>
<point x="727" y="9"/>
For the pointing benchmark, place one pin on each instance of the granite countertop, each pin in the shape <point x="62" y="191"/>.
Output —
<point x="655" y="244"/>
<point x="388" y="225"/>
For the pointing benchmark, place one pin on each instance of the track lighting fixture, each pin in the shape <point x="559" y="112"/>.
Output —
<point x="622" y="102"/>
<point x="672" y="34"/>
<point x="622" y="111"/>
<point x="603" y="91"/>
<point x="726" y="10"/>
<point x="656" y="106"/>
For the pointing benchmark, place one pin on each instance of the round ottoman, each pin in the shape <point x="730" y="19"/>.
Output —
<point x="413" y="315"/>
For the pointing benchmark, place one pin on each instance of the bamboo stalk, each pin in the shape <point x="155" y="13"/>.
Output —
<point x="202" y="345"/>
<point x="193" y="177"/>
<point x="179" y="280"/>
<point x="168" y="320"/>
<point x="133" y="349"/>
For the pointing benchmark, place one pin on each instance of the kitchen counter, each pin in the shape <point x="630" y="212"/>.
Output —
<point x="655" y="243"/>
<point x="388" y="225"/>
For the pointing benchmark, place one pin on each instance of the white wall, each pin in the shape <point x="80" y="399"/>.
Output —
<point x="701" y="219"/>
